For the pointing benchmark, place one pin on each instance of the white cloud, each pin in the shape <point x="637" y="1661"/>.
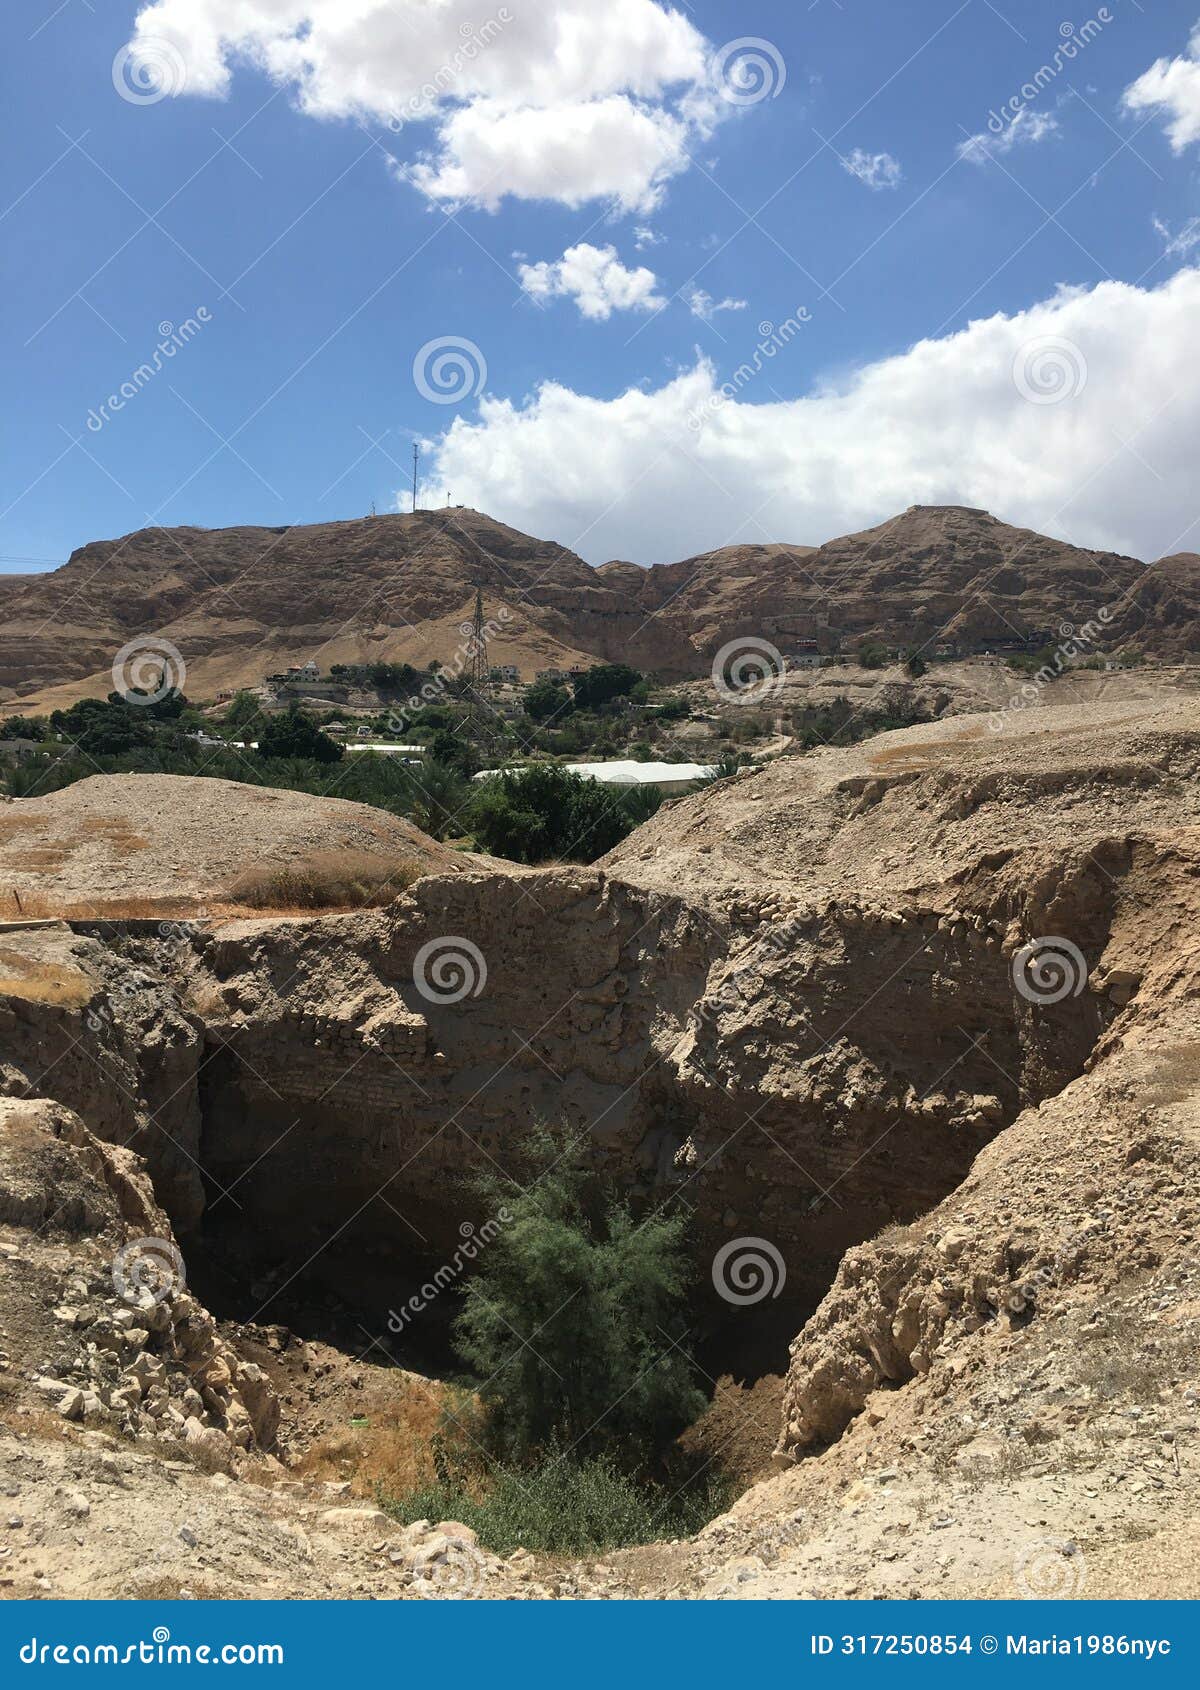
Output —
<point x="1179" y="244"/>
<point x="604" y="149"/>
<point x="544" y="99"/>
<point x="644" y="237"/>
<point x="595" y="278"/>
<point x="1026" y="128"/>
<point x="704" y="306"/>
<point x="943" y="422"/>
<point x="1171" y="87"/>
<point x="877" y="170"/>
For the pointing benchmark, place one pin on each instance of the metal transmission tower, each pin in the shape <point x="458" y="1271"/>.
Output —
<point x="416" y="456"/>
<point x="481" y="724"/>
<point x="480" y="672"/>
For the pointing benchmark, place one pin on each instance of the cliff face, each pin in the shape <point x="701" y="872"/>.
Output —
<point x="241" y="602"/>
<point x="754" y="1009"/>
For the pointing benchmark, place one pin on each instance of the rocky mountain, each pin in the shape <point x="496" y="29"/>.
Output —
<point x="239" y="603"/>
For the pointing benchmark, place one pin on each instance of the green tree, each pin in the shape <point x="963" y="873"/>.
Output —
<point x="603" y="1292"/>
<point x="546" y="699"/>
<point x="604" y="682"/>
<point x="104" y="727"/>
<point x="916" y="665"/>
<point x="243" y="708"/>
<point x="23" y="727"/>
<point x="440" y="798"/>
<point x="293" y="734"/>
<point x="544" y="811"/>
<point x="872" y="655"/>
<point x="454" y="750"/>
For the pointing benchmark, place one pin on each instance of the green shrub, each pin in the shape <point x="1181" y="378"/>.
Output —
<point x="604" y="682"/>
<point x="545" y="700"/>
<point x="293" y="734"/>
<point x="604" y="1293"/>
<point x="544" y="811"/>
<point x="569" y="1507"/>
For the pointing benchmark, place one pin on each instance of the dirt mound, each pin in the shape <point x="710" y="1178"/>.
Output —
<point x="908" y="811"/>
<point x="143" y="843"/>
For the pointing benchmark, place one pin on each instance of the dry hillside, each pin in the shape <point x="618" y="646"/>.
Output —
<point x="239" y="603"/>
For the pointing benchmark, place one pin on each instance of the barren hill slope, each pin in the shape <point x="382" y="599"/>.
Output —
<point x="933" y="573"/>
<point x="241" y="602"/>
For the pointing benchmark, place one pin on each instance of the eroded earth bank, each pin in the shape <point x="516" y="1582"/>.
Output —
<point x="912" y="1025"/>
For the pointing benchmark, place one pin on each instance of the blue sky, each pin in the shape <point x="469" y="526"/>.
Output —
<point x="823" y="178"/>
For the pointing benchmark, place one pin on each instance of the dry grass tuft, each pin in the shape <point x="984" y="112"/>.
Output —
<point x="326" y="880"/>
<point x="42" y="982"/>
<point x="392" y="1452"/>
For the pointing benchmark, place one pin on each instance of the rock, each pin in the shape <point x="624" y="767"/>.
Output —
<point x="354" y="1519"/>
<point x="208" y="1444"/>
<point x="455" y="1529"/>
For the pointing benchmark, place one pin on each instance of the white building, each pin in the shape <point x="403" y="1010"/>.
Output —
<point x="388" y="748"/>
<point x="670" y="778"/>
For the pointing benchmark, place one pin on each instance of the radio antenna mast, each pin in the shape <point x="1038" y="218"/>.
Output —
<point x="416" y="455"/>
